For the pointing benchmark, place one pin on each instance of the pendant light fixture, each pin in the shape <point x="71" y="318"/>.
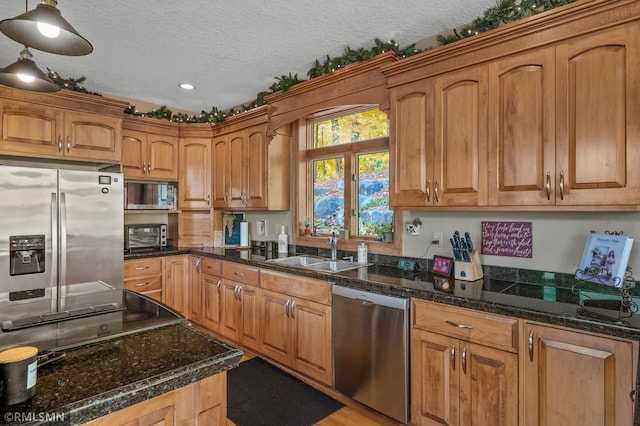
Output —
<point x="24" y="74"/>
<point x="45" y="29"/>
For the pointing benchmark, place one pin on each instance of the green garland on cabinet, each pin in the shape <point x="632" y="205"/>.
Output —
<point x="504" y="12"/>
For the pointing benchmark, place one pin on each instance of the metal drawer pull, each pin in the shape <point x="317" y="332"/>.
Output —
<point x="218" y="283"/>
<point x="142" y="284"/>
<point x="531" y="345"/>
<point x="464" y="360"/>
<point x="68" y="143"/>
<point x="458" y="325"/>
<point x="453" y="355"/>
<point x="561" y="185"/>
<point x="59" y="143"/>
<point x="141" y="268"/>
<point x="286" y="307"/>
<point x="548" y="186"/>
<point x="435" y="192"/>
<point x="238" y="274"/>
<point x="293" y="307"/>
<point x="429" y="190"/>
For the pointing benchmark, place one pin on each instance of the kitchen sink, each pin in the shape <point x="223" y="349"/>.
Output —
<point x="302" y="260"/>
<point x="317" y="263"/>
<point x="335" y="266"/>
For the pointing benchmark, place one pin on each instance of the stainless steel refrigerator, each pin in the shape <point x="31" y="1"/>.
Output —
<point x="59" y="227"/>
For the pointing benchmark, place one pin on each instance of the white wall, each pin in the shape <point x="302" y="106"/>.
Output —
<point x="558" y="237"/>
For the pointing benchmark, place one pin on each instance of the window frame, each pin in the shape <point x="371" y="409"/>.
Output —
<point x="304" y="153"/>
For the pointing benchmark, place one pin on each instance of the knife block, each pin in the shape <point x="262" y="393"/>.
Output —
<point x="469" y="271"/>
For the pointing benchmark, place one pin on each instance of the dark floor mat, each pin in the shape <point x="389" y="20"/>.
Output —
<point x="258" y="394"/>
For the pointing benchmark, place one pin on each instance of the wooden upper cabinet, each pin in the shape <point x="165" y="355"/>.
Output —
<point x="522" y="129"/>
<point x="411" y="147"/>
<point x="195" y="173"/>
<point x="38" y="130"/>
<point x="598" y="132"/>
<point x="460" y="159"/>
<point x="149" y="155"/>
<point x="251" y="167"/>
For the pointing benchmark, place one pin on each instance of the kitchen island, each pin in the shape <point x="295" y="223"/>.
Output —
<point x="167" y="365"/>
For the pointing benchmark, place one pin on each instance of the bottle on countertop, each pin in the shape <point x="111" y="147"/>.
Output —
<point x="363" y="253"/>
<point x="283" y="241"/>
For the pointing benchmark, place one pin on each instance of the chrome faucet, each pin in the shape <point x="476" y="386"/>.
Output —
<point x="333" y="240"/>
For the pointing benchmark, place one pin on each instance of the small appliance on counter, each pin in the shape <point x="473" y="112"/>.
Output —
<point x="140" y="237"/>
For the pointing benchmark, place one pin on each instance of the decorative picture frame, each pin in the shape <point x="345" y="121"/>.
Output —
<point x="442" y="265"/>
<point x="443" y="284"/>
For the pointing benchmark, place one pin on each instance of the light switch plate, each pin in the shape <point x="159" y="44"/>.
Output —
<point x="407" y="264"/>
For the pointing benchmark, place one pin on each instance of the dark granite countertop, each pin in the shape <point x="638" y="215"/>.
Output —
<point x="553" y="301"/>
<point x="97" y="379"/>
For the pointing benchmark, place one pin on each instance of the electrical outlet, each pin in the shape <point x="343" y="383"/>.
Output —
<point x="437" y="236"/>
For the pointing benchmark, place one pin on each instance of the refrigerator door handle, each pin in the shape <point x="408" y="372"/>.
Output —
<point x="63" y="239"/>
<point x="54" y="239"/>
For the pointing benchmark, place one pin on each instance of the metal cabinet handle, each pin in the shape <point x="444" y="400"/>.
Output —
<point x="208" y="199"/>
<point x="149" y="166"/>
<point x="235" y="293"/>
<point x="59" y="143"/>
<point x="68" y="143"/>
<point x="453" y="356"/>
<point x="239" y="293"/>
<point x="218" y="283"/>
<point x="198" y="261"/>
<point x="226" y="198"/>
<point x="530" y="345"/>
<point x="141" y="268"/>
<point x="435" y="192"/>
<point x="286" y="307"/>
<point x="561" y="185"/>
<point x="455" y="324"/>
<point x="293" y="310"/>
<point x="429" y="190"/>
<point x="464" y="360"/>
<point x="548" y="186"/>
<point x="144" y="168"/>
<point x="142" y="284"/>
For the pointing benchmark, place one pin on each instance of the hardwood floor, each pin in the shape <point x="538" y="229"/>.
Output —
<point x="349" y="415"/>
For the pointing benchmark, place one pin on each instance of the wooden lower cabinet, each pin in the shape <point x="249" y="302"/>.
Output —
<point x="211" y="291"/>
<point x="297" y="331"/>
<point x="144" y="276"/>
<point x="203" y="403"/>
<point x="240" y="314"/>
<point x="464" y="367"/>
<point x="574" y="378"/>
<point x="176" y="283"/>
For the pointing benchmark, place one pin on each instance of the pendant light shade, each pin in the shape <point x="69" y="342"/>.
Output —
<point x="45" y="29"/>
<point x="24" y="74"/>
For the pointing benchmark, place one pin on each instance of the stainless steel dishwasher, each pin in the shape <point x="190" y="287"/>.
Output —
<point x="371" y="349"/>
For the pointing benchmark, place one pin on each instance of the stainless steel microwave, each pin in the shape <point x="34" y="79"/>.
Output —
<point x="146" y="236"/>
<point x="149" y="196"/>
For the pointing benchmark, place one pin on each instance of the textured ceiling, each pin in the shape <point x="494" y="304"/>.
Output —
<point x="231" y="50"/>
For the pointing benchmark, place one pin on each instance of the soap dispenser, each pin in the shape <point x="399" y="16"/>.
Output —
<point x="283" y="241"/>
<point x="363" y="253"/>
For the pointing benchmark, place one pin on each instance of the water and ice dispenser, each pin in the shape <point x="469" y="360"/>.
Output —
<point x="26" y="254"/>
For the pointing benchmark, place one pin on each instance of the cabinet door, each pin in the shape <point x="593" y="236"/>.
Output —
<point x="250" y="311"/>
<point x="212" y="309"/>
<point x="92" y="137"/>
<point x="411" y="145"/>
<point x="572" y="378"/>
<point x="598" y="132"/>
<point x="488" y="386"/>
<point x="162" y="157"/>
<point x="312" y="348"/>
<point x="435" y="381"/>
<point x="460" y="139"/>
<point x="231" y="315"/>
<point x="522" y="129"/>
<point x="30" y="129"/>
<point x="276" y="325"/>
<point x="237" y="169"/>
<point x="195" y="173"/>
<point x="195" y="289"/>
<point x="255" y="191"/>
<point x="134" y="154"/>
<point x="176" y="282"/>
<point x="220" y="172"/>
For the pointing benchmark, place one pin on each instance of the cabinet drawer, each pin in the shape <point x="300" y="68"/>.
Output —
<point x="211" y="267"/>
<point x="145" y="284"/>
<point x="293" y="285"/>
<point x="240" y="273"/>
<point x="142" y="267"/>
<point x="466" y="324"/>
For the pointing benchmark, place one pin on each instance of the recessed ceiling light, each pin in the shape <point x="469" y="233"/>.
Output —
<point x="187" y="86"/>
